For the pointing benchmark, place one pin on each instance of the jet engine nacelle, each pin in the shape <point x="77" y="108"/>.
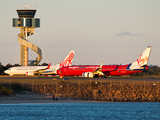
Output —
<point x="29" y="73"/>
<point x="88" y="75"/>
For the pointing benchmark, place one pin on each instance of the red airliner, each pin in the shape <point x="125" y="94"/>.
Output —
<point x="107" y="70"/>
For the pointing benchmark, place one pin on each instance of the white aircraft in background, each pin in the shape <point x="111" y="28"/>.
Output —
<point x="31" y="70"/>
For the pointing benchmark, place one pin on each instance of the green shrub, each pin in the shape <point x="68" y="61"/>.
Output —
<point x="5" y="91"/>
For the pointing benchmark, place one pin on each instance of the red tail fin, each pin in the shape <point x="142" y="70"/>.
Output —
<point x="68" y="60"/>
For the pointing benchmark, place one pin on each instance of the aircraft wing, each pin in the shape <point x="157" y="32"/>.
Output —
<point x="42" y="70"/>
<point x="98" y="71"/>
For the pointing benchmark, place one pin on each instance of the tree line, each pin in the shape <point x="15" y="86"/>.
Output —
<point x="153" y="70"/>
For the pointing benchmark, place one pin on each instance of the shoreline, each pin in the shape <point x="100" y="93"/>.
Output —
<point x="25" y="98"/>
<point x="38" y="99"/>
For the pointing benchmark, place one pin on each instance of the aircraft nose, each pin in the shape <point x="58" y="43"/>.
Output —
<point x="6" y="71"/>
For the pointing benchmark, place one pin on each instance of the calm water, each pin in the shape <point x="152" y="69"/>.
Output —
<point x="79" y="111"/>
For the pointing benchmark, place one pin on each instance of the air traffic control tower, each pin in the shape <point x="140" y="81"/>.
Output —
<point x="26" y="22"/>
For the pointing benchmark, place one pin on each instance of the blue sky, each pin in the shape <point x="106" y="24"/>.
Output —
<point x="112" y="31"/>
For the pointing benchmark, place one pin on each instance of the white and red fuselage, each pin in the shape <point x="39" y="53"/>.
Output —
<point x="31" y="70"/>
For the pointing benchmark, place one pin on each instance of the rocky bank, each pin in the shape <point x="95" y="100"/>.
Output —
<point x="124" y="92"/>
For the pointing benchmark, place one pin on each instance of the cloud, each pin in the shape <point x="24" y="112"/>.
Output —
<point x="126" y="33"/>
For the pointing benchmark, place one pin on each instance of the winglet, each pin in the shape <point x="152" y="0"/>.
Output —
<point x="48" y="66"/>
<point x="101" y="65"/>
<point x="99" y="70"/>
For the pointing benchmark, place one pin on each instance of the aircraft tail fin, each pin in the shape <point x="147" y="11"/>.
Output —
<point x="142" y="61"/>
<point x="68" y="60"/>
